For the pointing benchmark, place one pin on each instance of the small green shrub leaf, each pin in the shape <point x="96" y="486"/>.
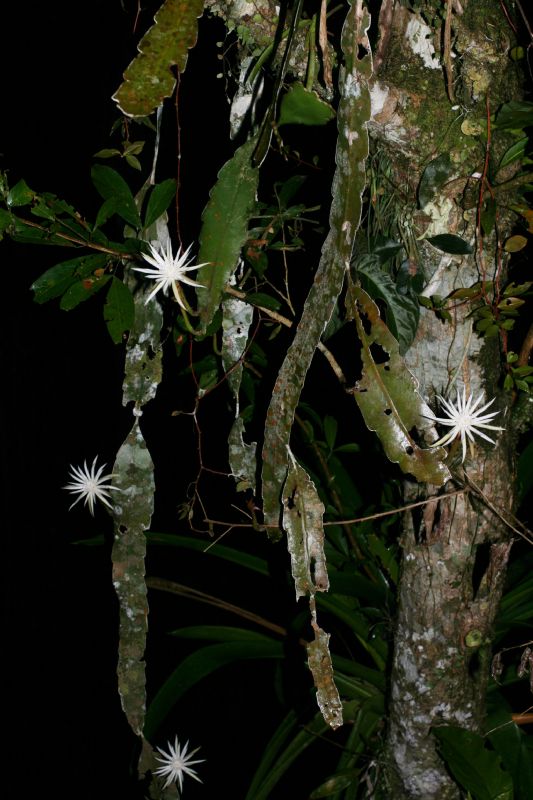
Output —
<point x="119" y="310"/>
<point x="56" y="280"/>
<point x="450" y="243"/>
<point x="160" y="198"/>
<point x="109" y="183"/>
<point x="81" y="291"/>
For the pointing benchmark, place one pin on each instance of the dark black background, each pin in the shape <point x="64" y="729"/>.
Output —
<point x="66" y="736"/>
<point x="60" y="63"/>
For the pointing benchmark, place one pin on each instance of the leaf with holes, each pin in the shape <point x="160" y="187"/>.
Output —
<point x="327" y="694"/>
<point x="149" y="77"/>
<point x="236" y="320"/>
<point x="387" y="395"/>
<point x="348" y="185"/>
<point x="302" y="519"/>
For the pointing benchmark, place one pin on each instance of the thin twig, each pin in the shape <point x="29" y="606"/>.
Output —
<point x="273" y="314"/>
<point x="380" y="514"/>
<point x="525" y="533"/>
<point x="76" y="240"/>
<point x="172" y="587"/>
<point x="333" y="363"/>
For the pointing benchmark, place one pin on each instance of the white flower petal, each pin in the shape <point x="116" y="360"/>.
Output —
<point x="177" y="763"/>
<point x="168" y="270"/>
<point x="90" y="485"/>
<point x="465" y="419"/>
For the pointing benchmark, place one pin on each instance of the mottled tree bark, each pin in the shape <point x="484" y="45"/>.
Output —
<point x="455" y="551"/>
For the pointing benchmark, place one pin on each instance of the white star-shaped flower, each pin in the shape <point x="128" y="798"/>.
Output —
<point x="465" y="420"/>
<point x="168" y="270"/>
<point x="90" y="485"/>
<point x="176" y="763"/>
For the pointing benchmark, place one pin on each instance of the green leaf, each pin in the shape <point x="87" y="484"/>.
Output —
<point x="286" y="745"/>
<point x="149" y="77"/>
<point x="388" y="398"/>
<point x="225" y="228"/>
<point x="477" y="769"/>
<point x="450" y="243"/>
<point x="220" y="633"/>
<point x="119" y="310"/>
<point x="336" y="783"/>
<point x="515" y="115"/>
<point x="133" y="161"/>
<point x="42" y="209"/>
<point x="27" y="234"/>
<point x="198" y="666"/>
<point x="240" y="557"/>
<point x="20" y="194"/>
<point x="514" y="153"/>
<point x="343" y="609"/>
<point x="109" y="184"/>
<point x="435" y="175"/>
<point x="350" y="447"/>
<point x="56" y="280"/>
<point x="160" y="198"/>
<point x="6" y="220"/>
<point x="488" y="216"/>
<point x="106" y="210"/>
<point x="511" y="745"/>
<point x="403" y="309"/>
<point x="81" y="291"/>
<point x="289" y="188"/>
<point x="330" y="431"/>
<point x="301" y="106"/>
<point x="264" y="300"/>
<point x="107" y="152"/>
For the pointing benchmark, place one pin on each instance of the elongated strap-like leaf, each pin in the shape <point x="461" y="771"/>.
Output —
<point x="303" y="513"/>
<point x="197" y="666"/>
<point x="319" y="659"/>
<point x="236" y="320"/>
<point x="348" y="184"/>
<point x="149" y="79"/>
<point x="305" y="537"/>
<point x="225" y="228"/>
<point x="387" y="395"/>
<point x="133" y="470"/>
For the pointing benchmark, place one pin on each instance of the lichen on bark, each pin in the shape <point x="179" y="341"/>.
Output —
<point x="437" y="677"/>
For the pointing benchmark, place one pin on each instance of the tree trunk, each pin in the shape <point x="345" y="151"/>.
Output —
<point x="455" y="551"/>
